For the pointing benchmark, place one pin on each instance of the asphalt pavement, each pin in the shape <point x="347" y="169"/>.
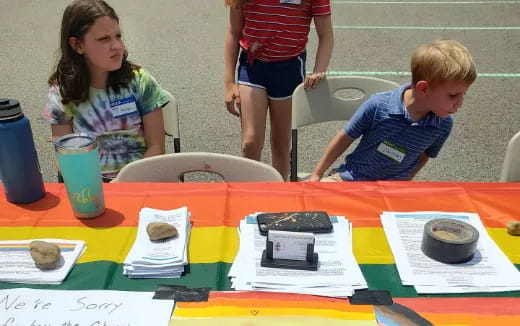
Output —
<point x="181" y="43"/>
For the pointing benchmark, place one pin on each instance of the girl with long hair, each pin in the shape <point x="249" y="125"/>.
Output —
<point x="95" y="89"/>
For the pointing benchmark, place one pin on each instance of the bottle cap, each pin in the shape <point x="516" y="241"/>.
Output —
<point x="9" y="109"/>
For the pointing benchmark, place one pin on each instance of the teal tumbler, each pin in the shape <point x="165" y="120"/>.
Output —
<point x="78" y="160"/>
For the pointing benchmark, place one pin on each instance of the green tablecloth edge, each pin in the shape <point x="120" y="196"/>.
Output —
<point x="106" y="275"/>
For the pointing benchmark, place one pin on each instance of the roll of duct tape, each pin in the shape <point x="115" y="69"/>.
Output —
<point x="449" y="240"/>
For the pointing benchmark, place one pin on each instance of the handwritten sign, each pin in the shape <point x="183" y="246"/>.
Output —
<point x="29" y="307"/>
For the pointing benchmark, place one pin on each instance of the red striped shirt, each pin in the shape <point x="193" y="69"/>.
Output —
<point x="275" y="31"/>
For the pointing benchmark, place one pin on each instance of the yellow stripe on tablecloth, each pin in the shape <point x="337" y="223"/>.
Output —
<point x="110" y="244"/>
<point x="233" y="311"/>
<point x="371" y="246"/>
<point x="268" y="321"/>
<point x="207" y="244"/>
<point x="509" y="244"/>
<point x="219" y="244"/>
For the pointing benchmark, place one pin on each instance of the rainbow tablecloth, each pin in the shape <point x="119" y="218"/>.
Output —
<point x="216" y="210"/>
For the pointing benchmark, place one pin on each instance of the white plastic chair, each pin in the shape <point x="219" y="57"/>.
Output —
<point x="323" y="103"/>
<point x="171" y="122"/>
<point x="511" y="167"/>
<point x="172" y="167"/>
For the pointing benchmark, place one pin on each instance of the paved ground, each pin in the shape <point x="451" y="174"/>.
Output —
<point x="181" y="43"/>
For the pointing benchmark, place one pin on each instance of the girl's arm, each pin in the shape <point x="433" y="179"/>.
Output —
<point x="334" y="149"/>
<point x="325" y="44"/>
<point x="153" y="124"/>
<point x="56" y="132"/>
<point x="231" y="47"/>
<point x="61" y="130"/>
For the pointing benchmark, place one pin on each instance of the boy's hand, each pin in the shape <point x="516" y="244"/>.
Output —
<point x="313" y="79"/>
<point x="232" y="97"/>
<point x="313" y="178"/>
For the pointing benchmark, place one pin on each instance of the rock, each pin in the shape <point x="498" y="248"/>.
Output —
<point x="161" y="230"/>
<point x="513" y="228"/>
<point x="45" y="255"/>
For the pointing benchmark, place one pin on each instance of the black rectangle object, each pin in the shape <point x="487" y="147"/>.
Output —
<point x="311" y="221"/>
<point x="181" y="293"/>
<point x="371" y="297"/>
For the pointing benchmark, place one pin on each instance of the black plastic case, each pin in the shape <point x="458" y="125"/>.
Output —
<point x="312" y="221"/>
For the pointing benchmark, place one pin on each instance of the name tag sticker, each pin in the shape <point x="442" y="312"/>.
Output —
<point x="122" y="107"/>
<point x="293" y="2"/>
<point x="394" y="152"/>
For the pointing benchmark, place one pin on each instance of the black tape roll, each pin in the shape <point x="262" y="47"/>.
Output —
<point x="449" y="240"/>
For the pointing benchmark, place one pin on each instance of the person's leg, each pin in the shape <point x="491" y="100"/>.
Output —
<point x="280" y="119"/>
<point x="284" y="77"/>
<point x="253" y="112"/>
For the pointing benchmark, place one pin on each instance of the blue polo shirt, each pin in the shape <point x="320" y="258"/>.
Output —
<point x="391" y="143"/>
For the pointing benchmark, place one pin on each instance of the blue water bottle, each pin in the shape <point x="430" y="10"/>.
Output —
<point x="78" y="158"/>
<point x="19" y="169"/>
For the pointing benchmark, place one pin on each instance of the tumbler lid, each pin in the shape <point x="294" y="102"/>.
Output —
<point x="9" y="109"/>
<point x="75" y="143"/>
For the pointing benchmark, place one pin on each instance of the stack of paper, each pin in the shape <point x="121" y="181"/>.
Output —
<point x="488" y="271"/>
<point x="338" y="273"/>
<point x="17" y="265"/>
<point x="164" y="258"/>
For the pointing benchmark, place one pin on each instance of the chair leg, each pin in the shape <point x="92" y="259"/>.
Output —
<point x="177" y="149"/>
<point x="176" y="145"/>
<point x="294" y="155"/>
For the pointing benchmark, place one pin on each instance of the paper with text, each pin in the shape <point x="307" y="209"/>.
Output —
<point x="82" y="308"/>
<point x="17" y="265"/>
<point x="488" y="271"/>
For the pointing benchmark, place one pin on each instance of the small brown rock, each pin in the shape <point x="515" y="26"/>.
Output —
<point x="161" y="230"/>
<point x="513" y="228"/>
<point x="45" y="255"/>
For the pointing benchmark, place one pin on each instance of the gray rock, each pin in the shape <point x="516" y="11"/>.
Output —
<point x="45" y="255"/>
<point x="161" y="230"/>
<point x="513" y="228"/>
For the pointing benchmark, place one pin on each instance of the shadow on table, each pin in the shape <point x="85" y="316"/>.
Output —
<point x="46" y="203"/>
<point x="109" y="218"/>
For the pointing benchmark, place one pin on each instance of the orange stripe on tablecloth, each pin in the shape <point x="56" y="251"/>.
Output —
<point x="276" y="300"/>
<point x="471" y="320"/>
<point x="464" y="306"/>
<point x="123" y="203"/>
<point x="339" y="306"/>
<point x="271" y="296"/>
<point x="217" y="204"/>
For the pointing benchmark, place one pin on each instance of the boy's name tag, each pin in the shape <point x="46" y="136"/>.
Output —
<point x="293" y="2"/>
<point x="394" y="152"/>
<point x="122" y="107"/>
<point x="290" y="245"/>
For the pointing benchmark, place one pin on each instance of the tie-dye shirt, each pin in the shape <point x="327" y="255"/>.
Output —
<point x="115" y="119"/>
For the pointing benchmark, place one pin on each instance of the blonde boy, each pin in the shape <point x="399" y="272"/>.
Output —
<point x="402" y="129"/>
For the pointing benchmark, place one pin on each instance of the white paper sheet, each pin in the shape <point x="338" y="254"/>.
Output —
<point x="338" y="272"/>
<point x="159" y="259"/>
<point x="17" y="265"/>
<point x="488" y="271"/>
<point x="75" y="308"/>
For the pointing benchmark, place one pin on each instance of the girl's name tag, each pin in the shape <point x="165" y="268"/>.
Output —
<point x="293" y="2"/>
<point x="123" y="107"/>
